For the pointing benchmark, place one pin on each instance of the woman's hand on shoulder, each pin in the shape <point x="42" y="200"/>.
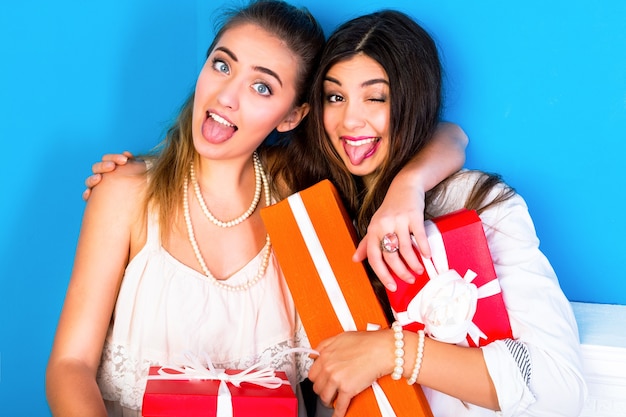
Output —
<point x="120" y="190"/>
<point x="119" y="194"/>
<point x="401" y="215"/>
<point x="118" y="200"/>
<point x="108" y="163"/>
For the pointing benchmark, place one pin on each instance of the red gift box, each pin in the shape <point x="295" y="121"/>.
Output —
<point x="178" y="397"/>
<point x="314" y="240"/>
<point x="460" y="301"/>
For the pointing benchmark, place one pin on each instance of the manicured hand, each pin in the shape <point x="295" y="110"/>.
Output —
<point x="348" y="364"/>
<point x="109" y="163"/>
<point x="401" y="213"/>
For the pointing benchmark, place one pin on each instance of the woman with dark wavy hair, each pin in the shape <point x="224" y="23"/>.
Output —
<point x="379" y="74"/>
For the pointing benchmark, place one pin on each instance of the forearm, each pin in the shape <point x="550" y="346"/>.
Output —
<point x="105" y="241"/>
<point x="439" y="158"/>
<point x="402" y="211"/>
<point x="458" y="371"/>
<point x="71" y="390"/>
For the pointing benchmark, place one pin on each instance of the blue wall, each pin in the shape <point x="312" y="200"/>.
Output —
<point x="540" y="88"/>
<point x="77" y="79"/>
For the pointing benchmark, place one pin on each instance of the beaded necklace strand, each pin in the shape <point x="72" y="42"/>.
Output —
<point x="258" y="172"/>
<point x="194" y="244"/>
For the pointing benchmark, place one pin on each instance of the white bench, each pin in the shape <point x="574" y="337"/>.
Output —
<point x="602" y="330"/>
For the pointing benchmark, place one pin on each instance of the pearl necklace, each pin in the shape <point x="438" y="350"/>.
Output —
<point x="258" y="169"/>
<point x="196" y="250"/>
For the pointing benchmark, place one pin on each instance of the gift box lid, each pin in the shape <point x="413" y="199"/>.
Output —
<point x="198" y="397"/>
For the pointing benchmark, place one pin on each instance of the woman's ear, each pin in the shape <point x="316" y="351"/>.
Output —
<point x="294" y="118"/>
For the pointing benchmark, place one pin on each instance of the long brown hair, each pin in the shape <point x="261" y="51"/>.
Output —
<point x="480" y="197"/>
<point x="170" y="161"/>
<point x="410" y="59"/>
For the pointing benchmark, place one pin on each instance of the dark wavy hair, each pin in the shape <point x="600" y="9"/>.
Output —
<point x="409" y="56"/>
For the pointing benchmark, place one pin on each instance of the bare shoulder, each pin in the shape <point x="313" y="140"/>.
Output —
<point x="132" y="170"/>
<point x="128" y="179"/>
<point x="121" y="192"/>
<point x="114" y="217"/>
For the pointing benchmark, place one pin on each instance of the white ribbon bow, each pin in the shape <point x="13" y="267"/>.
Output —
<point x="446" y="305"/>
<point x="194" y="369"/>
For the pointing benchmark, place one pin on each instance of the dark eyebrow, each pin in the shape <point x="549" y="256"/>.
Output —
<point x="257" y="68"/>
<point x="332" y="80"/>
<point x="270" y="73"/>
<point x="364" y="84"/>
<point x="227" y="52"/>
<point x="375" y="81"/>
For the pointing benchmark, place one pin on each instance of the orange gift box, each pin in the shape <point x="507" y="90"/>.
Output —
<point x="314" y="240"/>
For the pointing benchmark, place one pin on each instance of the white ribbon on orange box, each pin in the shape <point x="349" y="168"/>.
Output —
<point x="447" y="303"/>
<point x="329" y="281"/>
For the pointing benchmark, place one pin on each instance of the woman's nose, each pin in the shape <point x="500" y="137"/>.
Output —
<point x="229" y="93"/>
<point x="353" y="116"/>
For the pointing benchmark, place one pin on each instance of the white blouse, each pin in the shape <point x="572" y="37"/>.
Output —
<point x="165" y="308"/>
<point x="541" y="319"/>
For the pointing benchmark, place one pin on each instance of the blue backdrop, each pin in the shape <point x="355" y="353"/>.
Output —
<point x="540" y="87"/>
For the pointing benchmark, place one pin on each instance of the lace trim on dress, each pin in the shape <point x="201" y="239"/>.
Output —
<point x="303" y="360"/>
<point x="122" y="377"/>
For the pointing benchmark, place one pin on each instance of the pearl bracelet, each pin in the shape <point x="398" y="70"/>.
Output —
<point x="398" y="337"/>
<point x="418" y="358"/>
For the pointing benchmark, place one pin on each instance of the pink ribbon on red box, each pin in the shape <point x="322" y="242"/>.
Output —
<point x="447" y="303"/>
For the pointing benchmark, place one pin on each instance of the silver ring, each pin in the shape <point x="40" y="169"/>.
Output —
<point x="389" y="243"/>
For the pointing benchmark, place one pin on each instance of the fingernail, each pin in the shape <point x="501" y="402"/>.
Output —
<point x="392" y="287"/>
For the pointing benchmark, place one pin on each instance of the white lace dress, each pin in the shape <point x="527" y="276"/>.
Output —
<point x="165" y="308"/>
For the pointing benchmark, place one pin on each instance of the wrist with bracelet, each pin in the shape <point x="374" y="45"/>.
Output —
<point x="398" y="369"/>
<point x="398" y="338"/>
<point x="419" y="355"/>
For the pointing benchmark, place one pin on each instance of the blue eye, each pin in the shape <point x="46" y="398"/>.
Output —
<point x="220" y="66"/>
<point x="262" y="89"/>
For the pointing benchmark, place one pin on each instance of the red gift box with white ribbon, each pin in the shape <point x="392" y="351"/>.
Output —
<point x="458" y="299"/>
<point x="193" y="390"/>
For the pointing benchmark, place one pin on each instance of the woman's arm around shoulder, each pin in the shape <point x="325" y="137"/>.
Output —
<point x="351" y="361"/>
<point x="402" y="211"/>
<point x="112" y="224"/>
